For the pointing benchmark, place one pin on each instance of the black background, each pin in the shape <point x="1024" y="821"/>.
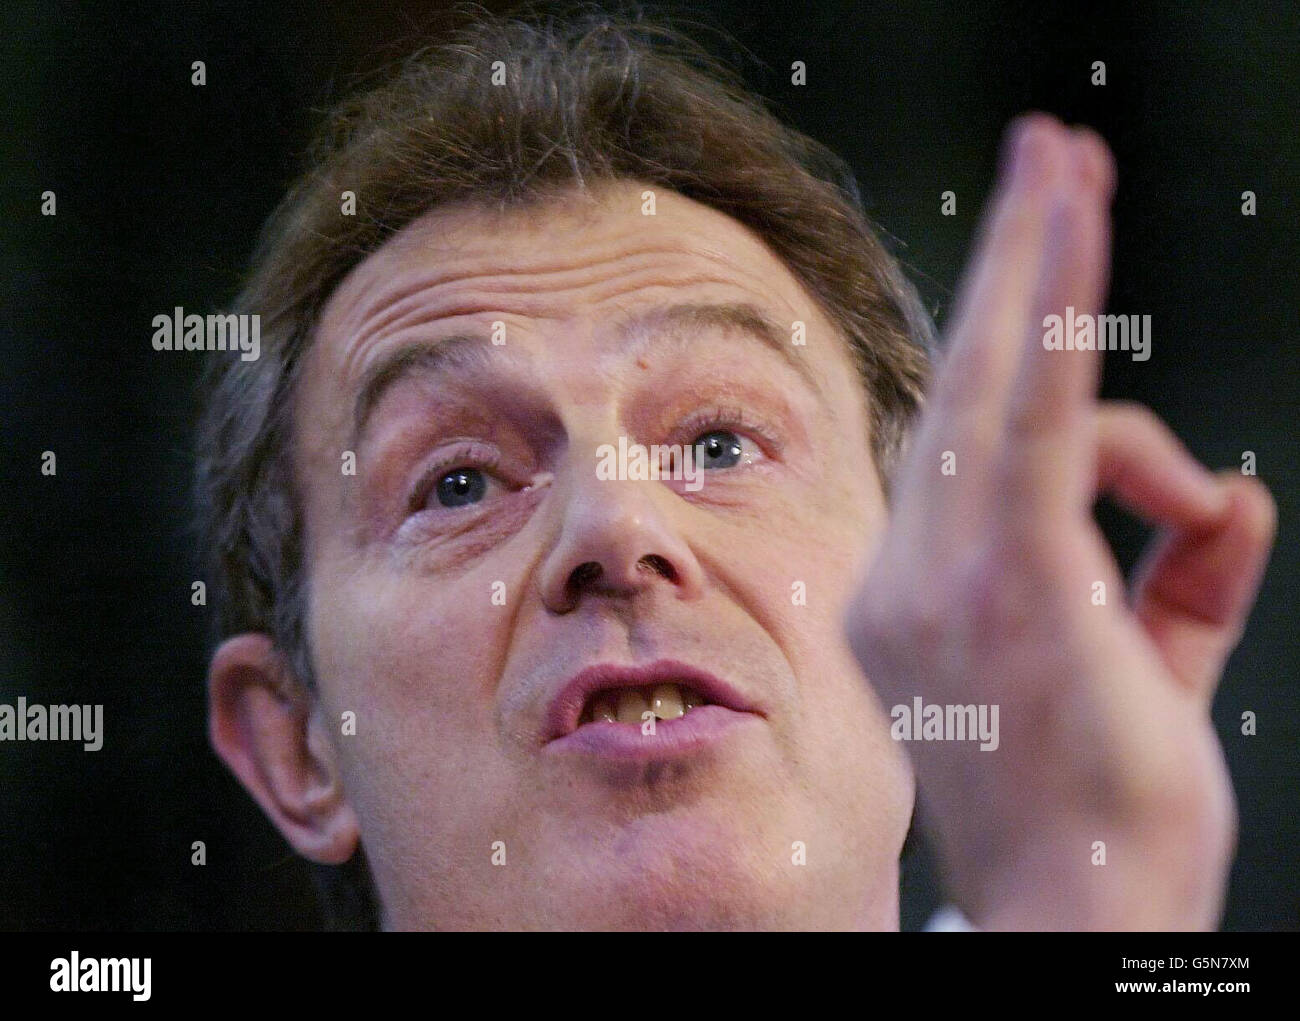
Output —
<point x="161" y="187"/>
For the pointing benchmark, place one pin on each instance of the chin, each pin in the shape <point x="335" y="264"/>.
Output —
<point x="681" y="871"/>
<point x="710" y="903"/>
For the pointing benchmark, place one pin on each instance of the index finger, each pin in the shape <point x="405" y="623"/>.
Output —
<point x="965" y="409"/>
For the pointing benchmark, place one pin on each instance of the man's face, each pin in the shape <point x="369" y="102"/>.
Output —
<point x="476" y="563"/>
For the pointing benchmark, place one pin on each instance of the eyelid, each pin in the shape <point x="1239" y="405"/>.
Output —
<point x="486" y="458"/>
<point x="731" y="417"/>
<point x="467" y="454"/>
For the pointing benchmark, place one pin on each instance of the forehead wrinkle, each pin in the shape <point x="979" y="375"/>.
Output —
<point x="498" y="276"/>
<point x="606" y="270"/>
<point x="601" y="255"/>
<point x="658" y="278"/>
<point x="414" y="308"/>
<point x="599" y="245"/>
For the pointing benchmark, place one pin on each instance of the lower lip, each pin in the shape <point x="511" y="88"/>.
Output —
<point x="699" y="730"/>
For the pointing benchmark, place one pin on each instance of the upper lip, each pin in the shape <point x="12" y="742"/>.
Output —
<point x="566" y="707"/>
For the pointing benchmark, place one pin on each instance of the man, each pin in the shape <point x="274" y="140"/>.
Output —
<point x="516" y="681"/>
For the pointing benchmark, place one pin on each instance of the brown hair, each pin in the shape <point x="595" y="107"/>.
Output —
<point x="586" y="98"/>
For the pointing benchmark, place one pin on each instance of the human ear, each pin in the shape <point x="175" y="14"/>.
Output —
<point x="266" y="727"/>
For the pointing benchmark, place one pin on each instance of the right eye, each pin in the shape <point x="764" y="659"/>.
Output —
<point x="463" y="477"/>
<point x="461" y="487"/>
<point x="718" y="448"/>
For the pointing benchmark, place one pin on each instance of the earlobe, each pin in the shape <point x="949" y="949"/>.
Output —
<point x="265" y="727"/>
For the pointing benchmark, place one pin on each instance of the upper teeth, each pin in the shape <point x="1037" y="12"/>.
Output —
<point x="627" y="705"/>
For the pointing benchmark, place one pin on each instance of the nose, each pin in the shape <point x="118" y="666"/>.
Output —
<point x="617" y="540"/>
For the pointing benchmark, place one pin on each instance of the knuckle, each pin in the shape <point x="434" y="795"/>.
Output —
<point x="902" y="622"/>
<point x="1002" y="610"/>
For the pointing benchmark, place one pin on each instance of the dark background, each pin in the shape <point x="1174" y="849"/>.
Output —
<point x="161" y="187"/>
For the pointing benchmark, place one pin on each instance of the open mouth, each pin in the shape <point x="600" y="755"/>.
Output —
<point x="602" y="711"/>
<point x="629" y="705"/>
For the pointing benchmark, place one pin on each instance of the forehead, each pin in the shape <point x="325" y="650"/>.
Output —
<point x="578" y="260"/>
<point x="551" y="258"/>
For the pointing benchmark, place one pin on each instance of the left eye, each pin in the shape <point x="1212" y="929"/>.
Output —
<point x="718" y="448"/>
<point x="461" y="487"/>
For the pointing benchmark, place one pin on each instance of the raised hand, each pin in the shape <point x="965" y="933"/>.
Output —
<point x="984" y="590"/>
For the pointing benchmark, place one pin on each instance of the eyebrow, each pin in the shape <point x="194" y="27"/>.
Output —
<point x="680" y="323"/>
<point x="460" y="352"/>
<point x="685" y="321"/>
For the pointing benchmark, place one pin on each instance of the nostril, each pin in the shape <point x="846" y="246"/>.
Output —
<point x="582" y="576"/>
<point x="587" y="577"/>
<point x="654" y="562"/>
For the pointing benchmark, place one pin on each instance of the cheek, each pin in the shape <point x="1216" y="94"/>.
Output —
<point x="416" y="665"/>
<point x="801" y="568"/>
<point x="798" y="561"/>
<point x="416" y="661"/>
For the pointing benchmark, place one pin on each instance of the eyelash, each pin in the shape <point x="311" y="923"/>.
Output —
<point x="732" y="419"/>
<point x="472" y="455"/>
<point x="467" y="455"/>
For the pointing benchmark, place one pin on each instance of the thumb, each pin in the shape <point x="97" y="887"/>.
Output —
<point x="1194" y="588"/>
